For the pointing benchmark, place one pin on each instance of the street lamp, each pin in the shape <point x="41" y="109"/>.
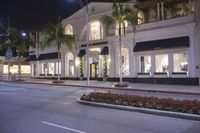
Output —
<point x="87" y="39"/>
<point x="87" y="43"/>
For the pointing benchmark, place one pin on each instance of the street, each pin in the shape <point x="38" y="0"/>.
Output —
<point x="35" y="108"/>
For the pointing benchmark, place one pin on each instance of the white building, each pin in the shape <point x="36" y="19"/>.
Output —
<point x="164" y="48"/>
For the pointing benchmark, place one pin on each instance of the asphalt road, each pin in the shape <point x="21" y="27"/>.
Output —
<point x="30" y="108"/>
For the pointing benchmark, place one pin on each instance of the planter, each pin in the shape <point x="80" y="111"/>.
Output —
<point x="143" y="75"/>
<point x="121" y="85"/>
<point x="57" y="82"/>
<point x="105" y="78"/>
<point x="161" y="74"/>
<point x="180" y="74"/>
<point x="81" y="78"/>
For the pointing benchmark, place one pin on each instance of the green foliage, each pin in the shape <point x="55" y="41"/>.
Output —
<point x="168" y="104"/>
<point x="54" y="32"/>
<point x="81" y="68"/>
<point x="120" y="14"/>
<point x="105" y="61"/>
<point x="17" y="41"/>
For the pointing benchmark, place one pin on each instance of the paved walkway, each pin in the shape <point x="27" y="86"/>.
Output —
<point x="133" y="86"/>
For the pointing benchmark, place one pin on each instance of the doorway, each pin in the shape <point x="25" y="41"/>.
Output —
<point x="94" y="70"/>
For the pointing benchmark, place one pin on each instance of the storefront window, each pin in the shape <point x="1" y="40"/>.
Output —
<point x="145" y="64"/>
<point x="161" y="62"/>
<point x="44" y="68"/>
<point x="51" y="68"/>
<point x="25" y="69"/>
<point x="57" y="67"/>
<point x="180" y="61"/>
<point x="124" y="61"/>
<point x="71" y="64"/>
<point x="95" y="31"/>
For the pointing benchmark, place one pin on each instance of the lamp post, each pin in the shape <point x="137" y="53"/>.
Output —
<point x="87" y="38"/>
<point x="87" y="43"/>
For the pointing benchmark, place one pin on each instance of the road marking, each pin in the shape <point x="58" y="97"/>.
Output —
<point x="12" y="89"/>
<point x="59" y="126"/>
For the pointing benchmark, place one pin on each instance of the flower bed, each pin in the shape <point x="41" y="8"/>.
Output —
<point x="167" y="104"/>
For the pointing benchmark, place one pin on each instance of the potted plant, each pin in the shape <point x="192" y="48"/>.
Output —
<point x="81" y="69"/>
<point x="105" y="74"/>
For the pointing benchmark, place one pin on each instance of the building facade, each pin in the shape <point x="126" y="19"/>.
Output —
<point x="163" y="48"/>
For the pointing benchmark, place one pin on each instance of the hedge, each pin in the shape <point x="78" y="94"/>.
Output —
<point x="167" y="104"/>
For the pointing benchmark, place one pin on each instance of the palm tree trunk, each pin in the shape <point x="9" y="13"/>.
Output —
<point x="19" y="67"/>
<point x="120" y="54"/>
<point x="9" y="73"/>
<point x="58" y="62"/>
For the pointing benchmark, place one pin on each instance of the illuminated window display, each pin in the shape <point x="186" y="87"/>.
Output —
<point x="25" y="69"/>
<point x="124" y="61"/>
<point x="180" y="61"/>
<point x="51" y="68"/>
<point x="161" y="62"/>
<point x="57" y="67"/>
<point x="145" y="64"/>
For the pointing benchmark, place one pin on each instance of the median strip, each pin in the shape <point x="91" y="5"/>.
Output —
<point x="185" y="109"/>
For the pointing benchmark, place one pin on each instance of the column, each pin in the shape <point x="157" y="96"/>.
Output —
<point x="190" y="6"/>
<point x="158" y="11"/>
<point x="153" y="65"/>
<point x="170" y="64"/>
<point x="162" y="10"/>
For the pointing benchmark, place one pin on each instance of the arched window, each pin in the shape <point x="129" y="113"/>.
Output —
<point x="69" y="30"/>
<point x="124" y="61"/>
<point x="140" y="16"/>
<point x="95" y="30"/>
<point x="70" y="64"/>
<point x="122" y="28"/>
<point x="70" y="57"/>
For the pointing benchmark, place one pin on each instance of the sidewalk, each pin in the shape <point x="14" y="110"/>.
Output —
<point x="176" y="89"/>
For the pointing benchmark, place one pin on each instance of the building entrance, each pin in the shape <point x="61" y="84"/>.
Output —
<point x="94" y="70"/>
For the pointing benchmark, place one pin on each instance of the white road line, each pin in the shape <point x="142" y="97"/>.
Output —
<point x="59" y="126"/>
<point x="12" y="89"/>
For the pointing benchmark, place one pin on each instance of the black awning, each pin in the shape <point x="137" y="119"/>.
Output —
<point x="81" y="53"/>
<point x="162" y="44"/>
<point x="31" y="58"/>
<point x="105" y="51"/>
<point x="48" y="56"/>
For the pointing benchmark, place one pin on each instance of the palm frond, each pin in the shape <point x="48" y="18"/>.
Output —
<point x="69" y="41"/>
<point x="107" y="22"/>
<point x="54" y="32"/>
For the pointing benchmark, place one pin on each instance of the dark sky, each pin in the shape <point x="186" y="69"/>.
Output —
<point x="29" y="14"/>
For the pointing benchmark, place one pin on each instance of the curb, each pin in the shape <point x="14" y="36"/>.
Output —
<point x="108" y="88"/>
<point x="142" y="110"/>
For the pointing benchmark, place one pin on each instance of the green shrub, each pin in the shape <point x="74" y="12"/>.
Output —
<point x="167" y="104"/>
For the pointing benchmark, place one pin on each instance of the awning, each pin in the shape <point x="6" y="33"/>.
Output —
<point x="162" y="44"/>
<point x="48" y="56"/>
<point x="31" y="58"/>
<point x="105" y="51"/>
<point x="81" y="53"/>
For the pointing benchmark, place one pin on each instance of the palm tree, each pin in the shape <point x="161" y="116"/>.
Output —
<point x="120" y="15"/>
<point x="20" y="43"/>
<point x="54" y="32"/>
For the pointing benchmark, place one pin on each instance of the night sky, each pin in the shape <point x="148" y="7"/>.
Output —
<point x="28" y="15"/>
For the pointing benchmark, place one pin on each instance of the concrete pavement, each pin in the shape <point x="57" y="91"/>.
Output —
<point x="39" y="108"/>
<point x="183" y="89"/>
